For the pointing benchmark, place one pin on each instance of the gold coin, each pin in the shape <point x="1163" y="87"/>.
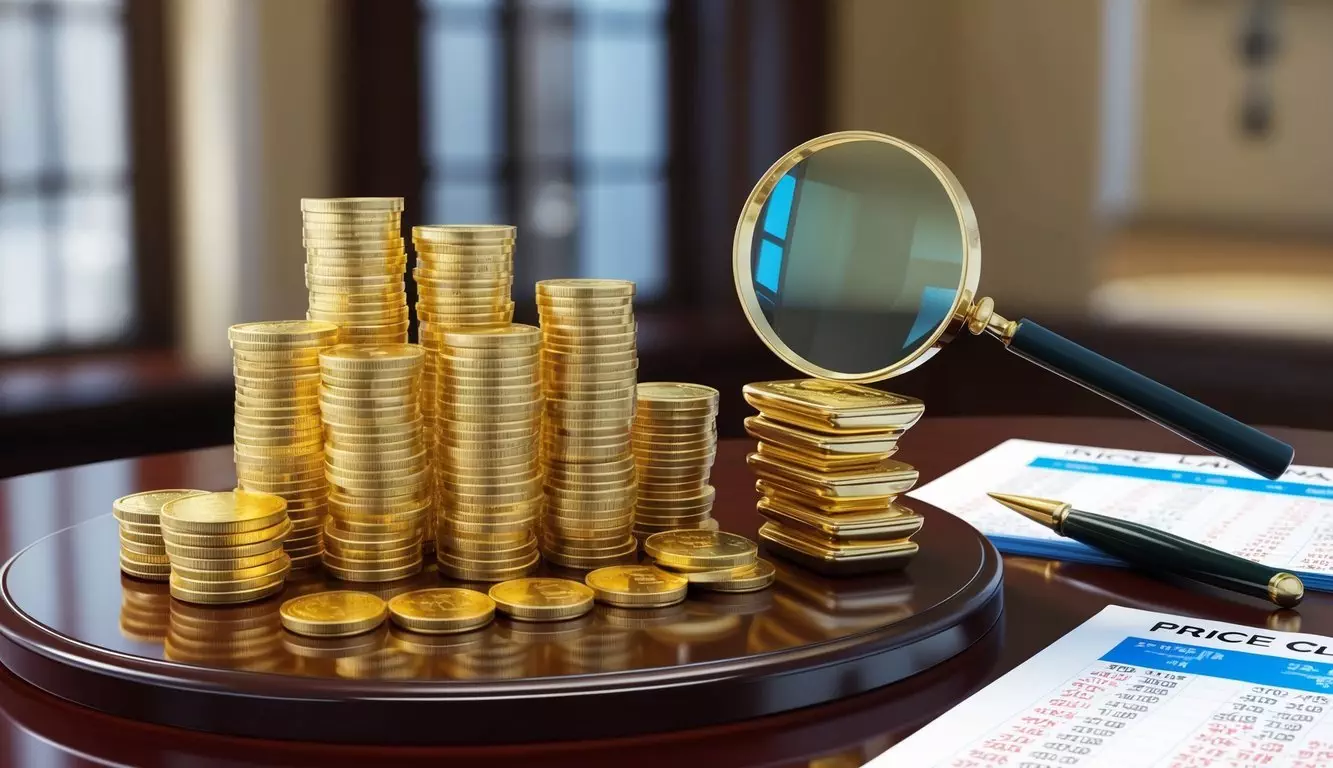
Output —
<point x="141" y="550"/>
<point x="585" y="563"/>
<point x="283" y="334"/>
<point x="746" y="578"/>
<point x="389" y="359"/>
<point x="463" y="233"/>
<point x="225" y="559"/>
<point x="697" y="549"/>
<point x="443" y="610"/>
<point x="223" y="553"/>
<point x="377" y="576"/>
<point x="248" y="577"/>
<point x="151" y="571"/>
<point x="340" y="613"/>
<point x="223" y="512"/>
<point x="542" y="599"/>
<point x="218" y="598"/>
<point x="145" y="507"/>
<point x="585" y="288"/>
<point x="350" y="204"/>
<point x="244" y="584"/>
<point x="632" y="586"/>
<point x="462" y="571"/>
<point x="275" y="532"/>
<point x="153" y="538"/>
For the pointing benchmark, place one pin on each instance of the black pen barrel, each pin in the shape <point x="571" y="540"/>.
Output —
<point x="1157" y="550"/>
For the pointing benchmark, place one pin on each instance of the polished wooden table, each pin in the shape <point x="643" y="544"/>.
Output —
<point x="1043" y="600"/>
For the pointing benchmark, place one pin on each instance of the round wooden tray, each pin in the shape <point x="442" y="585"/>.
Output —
<point x="72" y="625"/>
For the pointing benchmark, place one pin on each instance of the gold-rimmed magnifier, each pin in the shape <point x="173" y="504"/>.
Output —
<point x="857" y="257"/>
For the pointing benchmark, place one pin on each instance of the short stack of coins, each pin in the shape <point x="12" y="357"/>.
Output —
<point x="675" y="442"/>
<point x="463" y="275"/>
<point x="714" y="561"/>
<point x="279" y="440"/>
<point x="143" y="553"/>
<point x="355" y="264"/>
<point x="488" y="471"/>
<point x="589" y="369"/>
<point x="226" y="547"/>
<point x="828" y="483"/>
<point x="375" y="461"/>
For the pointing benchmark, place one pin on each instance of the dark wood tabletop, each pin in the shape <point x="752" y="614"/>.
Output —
<point x="1043" y="600"/>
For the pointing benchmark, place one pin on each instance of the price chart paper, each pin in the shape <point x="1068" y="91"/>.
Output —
<point x="1137" y="688"/>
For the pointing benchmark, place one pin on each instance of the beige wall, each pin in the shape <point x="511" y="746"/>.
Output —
<point x="1196" y="163"/>
<point x="255" y="108"/>
<point x="1005" y="93"/>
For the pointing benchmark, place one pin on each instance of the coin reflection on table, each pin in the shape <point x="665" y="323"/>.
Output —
<point x="499" y="657"/>
<point x="308" y="647"/>
<point x="145" y="610"/>
<point x="245" y="637"/>
<point x="435" y="645"/>
<point x="641" y="618"/>
<point x="700" y="624"/>
<point x="602" y="647"/>
<point x="738" y="603"/>
<point x="387" y="663"/>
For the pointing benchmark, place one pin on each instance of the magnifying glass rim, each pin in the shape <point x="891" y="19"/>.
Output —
<point x="743" y="269"/>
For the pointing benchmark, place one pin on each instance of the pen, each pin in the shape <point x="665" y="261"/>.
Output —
<point x="1160" y="551"/>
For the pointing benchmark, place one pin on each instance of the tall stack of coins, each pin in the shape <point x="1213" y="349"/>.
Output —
<point x="715" y="561"/>
<point x="463" y="276"/>
<point x="375" y="461"/>
<point x="279" y="441"/>
<point x="355" y="263"/>
<point x="589" y="366"/>
<point x="143" y="553"/>
<point x="488" y="471"/>
<point x="829" y="487"/>
<point x="226" y="547"/>
<point x="675" y="442"/>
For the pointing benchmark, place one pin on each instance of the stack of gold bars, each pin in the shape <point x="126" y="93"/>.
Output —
<point x="143" y="552"/>
<point x="828" y="484"/>
<point x="279" y="441"/>
<point x="488" y="471"/>
<point x="675" y="442"/>
<point x="375" y="461"/>
<point x="463" y="276"/>
<point x="226" y="547"/>
<point x="355" y="263"/>
<point x="589" y="369"/>
<point x="715" y="561"/>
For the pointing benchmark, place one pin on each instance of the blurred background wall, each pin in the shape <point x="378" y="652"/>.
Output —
<point x="1152" y="177"/>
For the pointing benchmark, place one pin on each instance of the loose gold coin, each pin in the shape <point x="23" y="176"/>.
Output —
<point x="276" y="532"/>
<point x="636" y="586"/>
<point x="340" y="613"/>
<point x="383" y="358"/>
<point x="223" y="512"/>
<point x="542" y="599"/>
<point x="145" y="507"/>
<point x="282" y="334"/>
<point x="700" y="549"/>
<point x="440" y="611"/>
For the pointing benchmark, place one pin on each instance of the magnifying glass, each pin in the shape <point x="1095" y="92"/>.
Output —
<point x="857" y="257"/>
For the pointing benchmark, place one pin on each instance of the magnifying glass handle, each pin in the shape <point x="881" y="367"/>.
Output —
<point x="1219" y="433"/>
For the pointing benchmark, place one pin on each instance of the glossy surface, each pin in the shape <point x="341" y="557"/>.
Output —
<point x="1043" y="601"/>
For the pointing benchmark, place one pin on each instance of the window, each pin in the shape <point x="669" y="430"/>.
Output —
<point x="66" y="266"/>
<point x="551" y="114"/>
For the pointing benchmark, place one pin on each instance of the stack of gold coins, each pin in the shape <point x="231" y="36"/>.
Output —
<point x="143" y="554"/>
<point x="488" y="471"/>
<point x="279" y="442"/>
<point x="355" y="265"/>
<point x="226" y="547"/>
<point x="829" y="487"/>
<point x="375" y="461"/>
<point x="675" y="442"/>
<point x="463" y="275"/>
<point x="589" y="366"/>
<point x="715" y="561"/>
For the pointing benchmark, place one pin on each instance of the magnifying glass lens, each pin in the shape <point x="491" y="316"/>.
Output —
<point x="857" y="257"/>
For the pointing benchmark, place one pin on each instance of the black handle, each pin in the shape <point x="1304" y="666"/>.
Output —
<point x="1160" y="551"/>
<point x="1188" y="418"/>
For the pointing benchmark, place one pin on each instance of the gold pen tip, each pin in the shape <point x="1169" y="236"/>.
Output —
<point x="1047" y="512"/>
